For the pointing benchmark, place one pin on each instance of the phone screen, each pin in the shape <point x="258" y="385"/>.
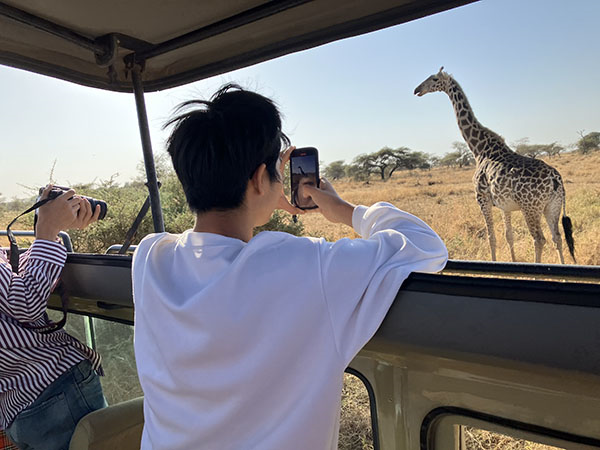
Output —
<point x="304" y="171"/>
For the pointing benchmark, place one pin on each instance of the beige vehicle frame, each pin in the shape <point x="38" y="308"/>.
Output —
<point x="510" y="348"/>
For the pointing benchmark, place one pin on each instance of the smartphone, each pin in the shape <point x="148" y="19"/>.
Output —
<point x="304" y="170"/>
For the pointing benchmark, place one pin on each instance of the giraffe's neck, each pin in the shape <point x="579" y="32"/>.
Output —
<point x="481" y="141"/>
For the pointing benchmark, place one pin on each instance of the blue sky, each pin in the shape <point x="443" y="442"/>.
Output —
<point x="530" y="69"/>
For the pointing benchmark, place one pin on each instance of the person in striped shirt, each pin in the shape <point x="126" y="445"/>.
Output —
<point x="47" y="381"/>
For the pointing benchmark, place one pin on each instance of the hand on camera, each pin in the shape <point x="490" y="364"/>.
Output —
<point x="85" y="215"/>
<point x="329" y="203"/>
<point x="65" y="211"/>
<point x="284" y="203"/>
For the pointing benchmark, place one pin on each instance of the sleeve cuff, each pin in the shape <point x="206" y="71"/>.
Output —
<point x="49" y="251"/>
<point x="357" y="217"/>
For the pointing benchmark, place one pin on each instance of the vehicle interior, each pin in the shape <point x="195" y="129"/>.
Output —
<point x="456" y="350"/>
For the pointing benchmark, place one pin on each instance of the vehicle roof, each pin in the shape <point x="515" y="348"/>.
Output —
<point x="183" y="41"/>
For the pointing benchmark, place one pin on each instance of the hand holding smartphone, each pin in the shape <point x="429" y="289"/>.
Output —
<point x="304" y="170"/>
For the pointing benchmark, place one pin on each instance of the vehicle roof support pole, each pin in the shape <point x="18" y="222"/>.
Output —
<point x="138" y="90"/>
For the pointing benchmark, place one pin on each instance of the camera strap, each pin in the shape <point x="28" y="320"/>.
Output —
<point x="13" y="257"/>
<point x="13" y="253"/>
<point x="50" y="327"/>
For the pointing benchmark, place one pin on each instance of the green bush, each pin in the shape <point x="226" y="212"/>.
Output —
<point x="124" y="203"/>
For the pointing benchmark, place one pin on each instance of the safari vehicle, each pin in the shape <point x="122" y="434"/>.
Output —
<point x="513" y="349"/>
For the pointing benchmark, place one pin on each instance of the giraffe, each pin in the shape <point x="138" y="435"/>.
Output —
<point x="505" y="179"/>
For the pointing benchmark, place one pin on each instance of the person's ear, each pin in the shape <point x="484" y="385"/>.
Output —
<point x="259" y="179"/>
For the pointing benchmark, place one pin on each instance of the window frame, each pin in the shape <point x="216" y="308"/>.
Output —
<point x="439" y="420"/>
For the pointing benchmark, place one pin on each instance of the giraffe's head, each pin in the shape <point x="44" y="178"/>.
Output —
<point x="435" y="83"/>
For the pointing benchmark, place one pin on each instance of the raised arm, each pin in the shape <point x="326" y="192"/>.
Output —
<point x="361" y="277"/>
<point x="23" y="295"/>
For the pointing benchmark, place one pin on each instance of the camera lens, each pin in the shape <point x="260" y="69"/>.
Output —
<point x="94" y="202"/>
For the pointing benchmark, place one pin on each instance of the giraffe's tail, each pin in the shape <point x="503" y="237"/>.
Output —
<point x="568" y="228"/>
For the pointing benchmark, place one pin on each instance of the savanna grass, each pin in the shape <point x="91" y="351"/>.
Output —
<point x="445" y="199"/>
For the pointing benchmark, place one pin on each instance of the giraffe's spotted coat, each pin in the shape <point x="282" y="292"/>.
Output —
<point x="504" y="178"/>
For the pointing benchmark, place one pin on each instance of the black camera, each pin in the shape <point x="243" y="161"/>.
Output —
<point x="58" y="190"/>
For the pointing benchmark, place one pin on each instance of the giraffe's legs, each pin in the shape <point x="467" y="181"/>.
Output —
<point x="508" y="233"/>
<point x="485" y="204"/>
<point x="532" y="218"/>
<point x="552" y="214"/>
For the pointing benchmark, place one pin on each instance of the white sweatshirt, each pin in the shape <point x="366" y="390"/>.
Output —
<point x="243" y="345"/>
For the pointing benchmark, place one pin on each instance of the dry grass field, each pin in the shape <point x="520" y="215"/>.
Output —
<point x="476" y="439"/>
<point x="445" y="199"/>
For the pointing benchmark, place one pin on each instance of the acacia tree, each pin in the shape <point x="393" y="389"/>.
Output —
<point x="588" y="142"/>
<point x="553" y="149"/>
<point x="409" y="160"/>
<point x="356" y="172"/>
<point x="399" y="158"/>
<point x="335" y="170"/>
<point x="387" y="161"/>
<point x="464" y="155"/>
<point x="369" y="163"/>
<point x="434" y="160"/>
<point x="523" y="147"/>
<point x="450" y="159"/>
<point x="382" y="161"/>
<point x="461" y="156"/>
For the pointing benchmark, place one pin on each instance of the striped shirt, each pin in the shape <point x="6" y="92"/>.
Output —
<point x="31" y="361"/>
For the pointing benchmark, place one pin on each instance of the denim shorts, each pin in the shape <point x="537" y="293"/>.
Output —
<point x="48" y="423"/>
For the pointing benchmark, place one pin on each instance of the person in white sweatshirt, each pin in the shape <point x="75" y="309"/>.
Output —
<point x="241" y="341"/>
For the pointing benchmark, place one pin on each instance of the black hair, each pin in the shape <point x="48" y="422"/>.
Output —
<point x="216" y="148"/>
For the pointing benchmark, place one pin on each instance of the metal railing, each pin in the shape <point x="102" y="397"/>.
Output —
<point x="66" y="239"/>
<point x="116" y="248"/>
